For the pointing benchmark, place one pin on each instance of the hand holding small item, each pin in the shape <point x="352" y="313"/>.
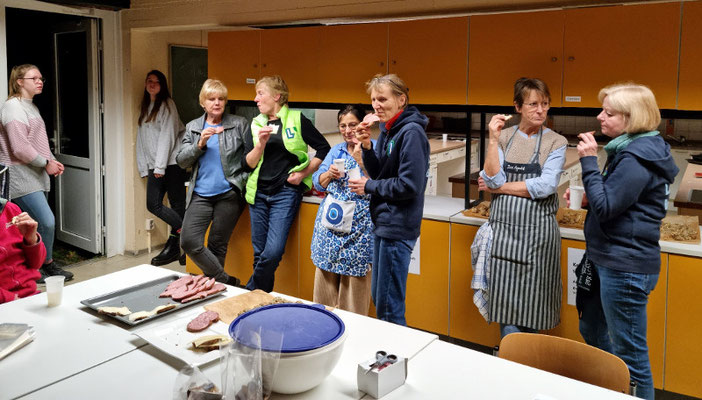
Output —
<point x="358" y="186"/>
<point x="26" y="226"/>
<point x="566" y="197"/>
<point x="497" y="122"/>
<point x="587" y="145"/>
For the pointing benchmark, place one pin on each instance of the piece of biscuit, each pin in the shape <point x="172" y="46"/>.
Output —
<point x="121" y="311"/>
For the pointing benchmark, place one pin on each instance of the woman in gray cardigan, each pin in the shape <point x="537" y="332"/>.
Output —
<point x="213" y="146"/>
<point x="160" y="131"/>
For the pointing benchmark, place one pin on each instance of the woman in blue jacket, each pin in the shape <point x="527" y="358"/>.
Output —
<point x="626" y="205"/>
<point x="397" y="165"/>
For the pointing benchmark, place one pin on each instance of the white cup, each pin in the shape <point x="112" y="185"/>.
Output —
<point x="444" y="137"/>
<point x="54" y="289"/>
<point x="576" y="197"/>
<point x="355" y="173"/>
<point x="339" y="164"/>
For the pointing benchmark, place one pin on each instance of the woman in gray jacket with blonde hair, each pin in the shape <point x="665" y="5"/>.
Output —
<point x="213" y="146"/>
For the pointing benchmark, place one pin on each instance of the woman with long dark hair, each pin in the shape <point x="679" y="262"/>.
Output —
<point x="158" y="138"/>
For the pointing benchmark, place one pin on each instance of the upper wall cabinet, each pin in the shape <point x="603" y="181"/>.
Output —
<point x="506" y="47"/>
<point x="593" y="47"/>
<point x="431" y="57"/>
<point x="690" y="80"/>
<point x="350" y="55"/>
<point x="292" y="54"/>
<point x="606" y="45"/>
<point x="234" y="58"/>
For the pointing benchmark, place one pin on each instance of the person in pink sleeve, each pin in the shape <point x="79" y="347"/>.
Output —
<point x="21" y="253"/>
<point x="24" y="148"/>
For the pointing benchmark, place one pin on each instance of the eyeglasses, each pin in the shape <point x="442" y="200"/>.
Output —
<point x="343" y="127"/>
<point x="37" y="79"/>
<point x="544" y="105"/>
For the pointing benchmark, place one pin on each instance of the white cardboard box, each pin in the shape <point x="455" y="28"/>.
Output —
<point x="379" y="383"/>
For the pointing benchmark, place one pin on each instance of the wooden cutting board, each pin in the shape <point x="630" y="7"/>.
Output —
<point x="230" y="308"/>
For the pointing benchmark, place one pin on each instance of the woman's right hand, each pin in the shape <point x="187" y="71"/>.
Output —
<point x="264" y="134"/>
<point x="333" y="172"/>
<point x="566" y="197"/>
<point x="363" y="135"/>
<point x="205" y="136"/>
<point x="497" y="122"/>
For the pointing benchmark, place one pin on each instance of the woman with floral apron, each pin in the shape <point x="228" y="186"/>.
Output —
<point x="342" y="243"/>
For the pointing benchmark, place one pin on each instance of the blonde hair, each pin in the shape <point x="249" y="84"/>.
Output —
<point x="394" y="82"/>
<point x="18" y="72"/>
<point x="636" y="102"/>
<point x="276" y="85"/>
<point x="210" y="87"/>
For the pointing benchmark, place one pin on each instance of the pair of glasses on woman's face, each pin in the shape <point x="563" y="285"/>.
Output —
<point x="37" y="79"/>
<point x="343" y="127"/>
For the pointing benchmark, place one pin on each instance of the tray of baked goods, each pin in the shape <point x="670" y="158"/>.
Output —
<point x="681" y="229"/>
<point x="149" y="300"/>
<point x="568" y="218"/>
<point x="482" y="210"/>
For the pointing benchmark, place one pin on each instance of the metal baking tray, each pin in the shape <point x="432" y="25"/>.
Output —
<point x="141" y="297"/>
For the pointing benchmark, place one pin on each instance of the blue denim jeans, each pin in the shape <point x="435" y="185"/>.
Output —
<point x="507" y="329"/>
<point x="36" y="205"/>
<point x="391" y="260"/>
<point x="617" y="322"/>
<point x="271" y="218"/>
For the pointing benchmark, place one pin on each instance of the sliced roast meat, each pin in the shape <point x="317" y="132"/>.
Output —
<point x="216" y="288"/>
<point x="203" y="321"/>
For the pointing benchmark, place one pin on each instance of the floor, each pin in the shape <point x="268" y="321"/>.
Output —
<point x="100" y="266"/>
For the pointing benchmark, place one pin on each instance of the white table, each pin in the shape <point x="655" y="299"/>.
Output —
<point x="446" y="371"/>
<point x="68" y="340"/>
<point x="78" y="355"/>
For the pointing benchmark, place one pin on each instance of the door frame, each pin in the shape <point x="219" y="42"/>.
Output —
<point x="113" y="125"/>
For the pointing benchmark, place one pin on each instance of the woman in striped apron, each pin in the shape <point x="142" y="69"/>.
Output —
<point x="522" y="170"/>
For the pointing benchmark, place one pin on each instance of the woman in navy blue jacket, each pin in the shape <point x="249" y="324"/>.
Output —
<point x="397" y="165"/>
<point x="626" y="204"/>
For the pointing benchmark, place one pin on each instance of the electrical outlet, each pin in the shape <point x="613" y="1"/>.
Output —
<point x="149" y="224"/>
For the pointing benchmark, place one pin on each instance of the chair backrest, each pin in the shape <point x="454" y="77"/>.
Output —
<point x="568" y="358"/>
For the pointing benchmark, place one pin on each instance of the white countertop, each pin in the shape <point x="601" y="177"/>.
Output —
<point x="693" y="250"/>
<point x="438" y="208"/>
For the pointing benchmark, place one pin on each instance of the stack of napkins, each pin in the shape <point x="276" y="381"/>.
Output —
<point x="13" y="337"/>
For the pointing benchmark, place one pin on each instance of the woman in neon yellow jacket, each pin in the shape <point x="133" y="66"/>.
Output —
<point x="276" y="153"/>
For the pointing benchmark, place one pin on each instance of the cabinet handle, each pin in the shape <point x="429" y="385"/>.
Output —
<point x="382" y="64"/>
<point x="263" y="65"/>
<point x="394" y="62"/>
<point x="571" y="58"/>
<point x="255" y="66"/>
<point x="554" y="59"/>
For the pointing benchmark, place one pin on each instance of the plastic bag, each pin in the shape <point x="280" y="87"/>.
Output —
<point x="192" y="384"/>
<point x="248" y="371"/>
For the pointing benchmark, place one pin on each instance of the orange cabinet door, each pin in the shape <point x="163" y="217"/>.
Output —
<point x="683" y="355"/>
<point x="308" y="213"/>
<point x="465" y="320"/>
<point x="506" y="47"/>
<point x="427" y="298"/>
<point x="292" y="54"/>
<point x="233" y="58"/>
<point x="690" y="79"/>
<point x="431" y="56"/>
<point x="349" y="56"/>
<point x="606" y="45"/>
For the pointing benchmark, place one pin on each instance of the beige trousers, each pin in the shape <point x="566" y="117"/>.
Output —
<point x="350" y="293"/>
